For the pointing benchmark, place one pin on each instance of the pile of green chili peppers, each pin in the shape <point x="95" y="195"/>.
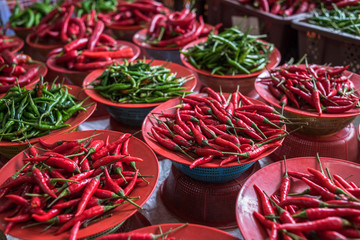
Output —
<point x="100" y="6"/>
<point x="26" y="114"/>
<point x="139" y="82"/>
<point x="230" y="52"/>
<point x="343" y="19"/>
<point x="30" y="16"/>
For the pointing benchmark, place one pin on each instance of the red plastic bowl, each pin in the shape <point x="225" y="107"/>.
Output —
<point x="18" y="47"/>
<point x="42" y="71"/>
<point x="131" y="113"/>
<point x="10" y="149"/>
<point x="124" y="32"/>
<point x="137" y="148"/>
<point x="171" y="54"/>
<point x="189" y="232"/>
<point x="229" y="83"/>
<point x="269" y="178"/>
<point x="77" y="77"/>
<point x="22" y="32"/>
<point x="40" y="51"/>
<point x="311" y="122"/>
<point x="168" y="107"/>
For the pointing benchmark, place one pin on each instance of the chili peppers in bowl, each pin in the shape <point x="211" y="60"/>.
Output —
<point x="40" y="111"/>
<point x="23" y="21"/>
<point x="130" y="17"/>
<point x="213" y="132"/>
<point x="13" y="44"/>
<point x="130" y="90"/>
<point x="77" y="58"/>
<point x="165" y="35"/>
<point x="19" y="70"/>
<point x="314" y="206"/>
<point x="76" y="177"/>
<point x="229" y="59"/>
<point x="323" y="99"/>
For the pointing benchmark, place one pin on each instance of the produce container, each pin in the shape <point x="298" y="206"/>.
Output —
<point x="228" y="83"/>
<point x="324" y="45"/>
<point x="212" y="204"/>
<point x="133" y="114"/>
<point x="277" y="28"/>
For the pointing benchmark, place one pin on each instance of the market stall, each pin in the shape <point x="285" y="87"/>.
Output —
<point x="155" y="120"/>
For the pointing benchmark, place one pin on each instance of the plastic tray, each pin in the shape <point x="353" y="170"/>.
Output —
<point x="325" y="45"/>
<point x="134" y="114"/>
<point x="10" y="149"/>
<point x="269" y="178"/>
<point x="228" y="83"/>
<point x="277" y="28"/>
<point x="316" y="125"/>
<point x="137" y="148"/>
<point x="208" y="172"/>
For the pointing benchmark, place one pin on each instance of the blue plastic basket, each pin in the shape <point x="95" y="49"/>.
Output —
<point x="129" y="116"/>
<point x="213" y="175"/>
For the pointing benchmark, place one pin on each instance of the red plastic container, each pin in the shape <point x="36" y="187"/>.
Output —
<point x="40" y="51"/>
<point x="228" y="83"/>
<point x="203" y="203"/>
<point x="342" y="145"/>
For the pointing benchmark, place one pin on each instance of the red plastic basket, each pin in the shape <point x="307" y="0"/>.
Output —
<point x="324" y="45"/>
<point x="211" y="204"/>
<point x="341" y="145"/>
<point x="311" y="122"/>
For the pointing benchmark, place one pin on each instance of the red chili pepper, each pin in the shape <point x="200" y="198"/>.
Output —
<point x="87" y="214"/>
<point x="87" y="194"/>
<point x="121" y="53"/>
<point x="264" y="202"/>
<point x="284" y="185"/>
<point x="93" y="39"/>
<point x="265" y="222"/>
<point x="320" y="213"/>
<point x="179" y="130"/>
<point x="50" y="214"/>
<point x="19" y="218"/>
<point x="350" y="232"/>
<point x="201" y="160"/>
<point x="108" y="148"/>
<point x="325" y="194"/>
<point x="40" y="179"/>
<point x="326" y="182"/>
<point x="17" y="199"/>
<point x="330" y="223"/>
<point x="76" y="44"/>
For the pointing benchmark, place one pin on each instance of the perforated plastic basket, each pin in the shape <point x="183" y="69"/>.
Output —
<point x="277" y="28"/>
<point x="213" y="175"/>
<point x="325" y="45"/>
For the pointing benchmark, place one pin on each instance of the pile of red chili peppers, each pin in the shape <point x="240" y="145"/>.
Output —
<point x="313" y="88"/>
<point x="70" y="184"/>
<point x="13" y="70"/>
<point x="291" y="7"/>
<point x="60" y="26"/>
<point x="328" y="209"/>
<point x="176" y="29"/>
<point x="9" y="43"/>
<point x="133" y="13"/>
<point x="213" y="127"/>
<point x="97" y="51"/>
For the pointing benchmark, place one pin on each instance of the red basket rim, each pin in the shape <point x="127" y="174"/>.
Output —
<point x="262" y="90"/>
<point x="150" y="166"/>
<point x="76" y="120"/>
<point x="166" y="107"/>
<point x="50" y="62"/>
<point x="139" y="39"/>
<point x="191" y="230"/>
<point x="17" y="39"/>
<point x="41" y="46"/>
<point x="247" y="200"/>
<point x="190" y="85"/>
<point x="274" y="60"/>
